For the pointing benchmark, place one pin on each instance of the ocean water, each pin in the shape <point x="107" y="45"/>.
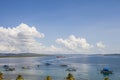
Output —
<point x="87" y="67"/>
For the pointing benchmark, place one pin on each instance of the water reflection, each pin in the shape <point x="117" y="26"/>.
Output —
<point x="85" y="67"/>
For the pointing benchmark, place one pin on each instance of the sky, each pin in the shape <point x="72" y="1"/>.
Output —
<point x="60" y="26"/>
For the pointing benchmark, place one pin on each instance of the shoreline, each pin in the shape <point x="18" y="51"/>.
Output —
<point x="23" y="55"/>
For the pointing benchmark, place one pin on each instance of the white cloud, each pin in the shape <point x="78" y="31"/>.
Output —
<point x="23" y="39"/>
<point x="75" y="44"/>
<point x="100" y="45"/>
<point x="19" y="39"/>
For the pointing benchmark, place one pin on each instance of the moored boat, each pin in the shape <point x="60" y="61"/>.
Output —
<point x="70" y="69"/>
<point x="106" y="70"/>
<point x="64" y="65"/>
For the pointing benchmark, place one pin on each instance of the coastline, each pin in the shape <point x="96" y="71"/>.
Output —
<point x="22" y="55"/>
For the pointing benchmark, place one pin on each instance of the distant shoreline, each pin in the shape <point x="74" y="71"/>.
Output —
<point x="22" y="55"/>
<point x="11" y="55"/>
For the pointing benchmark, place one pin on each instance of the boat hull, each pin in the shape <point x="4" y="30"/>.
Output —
<point x="106" y="72"/>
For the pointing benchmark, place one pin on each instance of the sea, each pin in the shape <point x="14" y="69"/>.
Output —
<point x="83" y="67"/>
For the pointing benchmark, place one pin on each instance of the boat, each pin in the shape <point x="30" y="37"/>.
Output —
<point x="10" y="69"/>
<point x="47" y="64"/>
<point x="38" y="65"/>
<point x="5" y="66"/>
<point x="64" y="65"/>
<point x="60" y="56"/>
<point x="70" y="69"/>
<point x="106" y="71"/>
<point x="25" y="67"/>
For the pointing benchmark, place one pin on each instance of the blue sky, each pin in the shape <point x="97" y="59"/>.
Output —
<point x="97" y="21"/>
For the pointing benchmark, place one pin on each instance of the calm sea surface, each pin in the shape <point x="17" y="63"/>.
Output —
<point x="87" y="67"/>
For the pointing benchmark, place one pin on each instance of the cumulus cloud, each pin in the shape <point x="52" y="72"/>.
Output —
<point x="22" y="38"/>
<point x="100" y="45"/>
<point x="75" y="44"/>
<point x="19" y="39"/>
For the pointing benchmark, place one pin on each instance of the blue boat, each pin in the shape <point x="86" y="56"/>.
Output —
<point x="5" y="66"/>
<point x="47" y="64"/>
<point x="106" y="71"/>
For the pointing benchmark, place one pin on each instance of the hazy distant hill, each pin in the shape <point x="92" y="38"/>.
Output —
<point x="21" y="55"/>
<point x="116" y="54"/>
